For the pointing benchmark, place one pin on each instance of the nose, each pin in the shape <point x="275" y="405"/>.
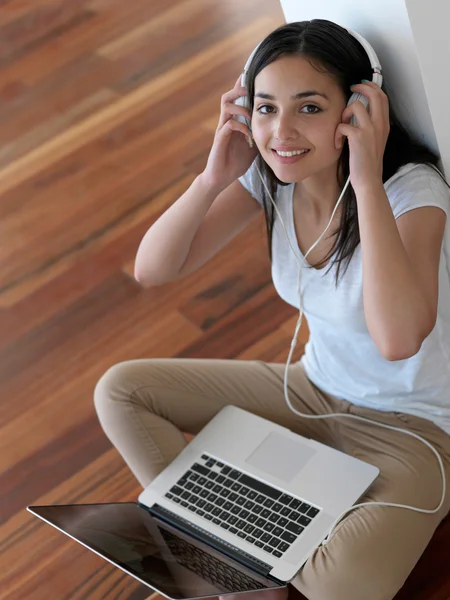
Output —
<point x="285" y="128"/>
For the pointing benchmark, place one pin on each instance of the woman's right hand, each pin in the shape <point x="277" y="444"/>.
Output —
<point x="230" y="155"/>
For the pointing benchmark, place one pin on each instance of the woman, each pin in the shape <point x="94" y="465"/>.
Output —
<point x="379" y="314"/>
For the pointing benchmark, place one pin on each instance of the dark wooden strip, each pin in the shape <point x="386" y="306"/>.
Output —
<point x="211" y="305"/>
<point x="11" y="92"/>
<point x="4" y="3"/>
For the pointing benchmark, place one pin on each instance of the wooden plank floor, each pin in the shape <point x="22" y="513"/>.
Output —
<point x="108" y="111"/>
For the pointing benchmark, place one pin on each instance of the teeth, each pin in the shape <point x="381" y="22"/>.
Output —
<point x="295" y="153"/>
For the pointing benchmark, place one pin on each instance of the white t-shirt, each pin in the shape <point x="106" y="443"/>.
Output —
<point x="340" y="357"/>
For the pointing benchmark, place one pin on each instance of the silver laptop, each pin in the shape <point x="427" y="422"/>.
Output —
<point x="241" y="508"/>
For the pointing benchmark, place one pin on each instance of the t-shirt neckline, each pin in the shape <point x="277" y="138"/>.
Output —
<point x="308" y="267"/>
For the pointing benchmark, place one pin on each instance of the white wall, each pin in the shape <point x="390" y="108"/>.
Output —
<point x="412" y="43"/>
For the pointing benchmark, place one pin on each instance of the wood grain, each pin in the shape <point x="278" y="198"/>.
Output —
<point x="108" y="112"/>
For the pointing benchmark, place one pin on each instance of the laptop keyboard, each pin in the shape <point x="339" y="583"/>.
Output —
<point x="207" y="566"/>
<point x="246" y="507"/>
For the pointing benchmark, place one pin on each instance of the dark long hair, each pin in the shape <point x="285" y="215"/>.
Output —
<point x="332" y="49"/>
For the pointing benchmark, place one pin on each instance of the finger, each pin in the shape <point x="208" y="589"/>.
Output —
<point x="378" y="101"/>
<point x="238" y="109"/>
<point x="343" y="132"/>
<point x="233" y="94"/>
<point x="357" y="109"/>
<point x="229" y="110"/>
<point x="233" y="125"/>
<point x="374" y="86"/>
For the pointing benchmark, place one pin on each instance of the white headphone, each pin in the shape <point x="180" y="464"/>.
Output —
<point x="245" y="101"/>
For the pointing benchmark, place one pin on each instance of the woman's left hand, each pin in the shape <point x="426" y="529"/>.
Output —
<point x="367" y="141"/>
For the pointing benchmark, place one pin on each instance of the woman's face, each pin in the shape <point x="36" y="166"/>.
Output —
<point x="287" y="123"/>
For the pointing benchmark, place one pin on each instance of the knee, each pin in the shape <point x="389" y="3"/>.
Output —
<point x="110" y="387"/>
<point x="327" y="576"/>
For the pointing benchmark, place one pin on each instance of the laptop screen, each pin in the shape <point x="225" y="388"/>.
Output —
<point x="169" y="561"/>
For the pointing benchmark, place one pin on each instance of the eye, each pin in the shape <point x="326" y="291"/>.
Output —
<point x="312" y="106"/>
<point x="263" y="106"/>
<point x="317" y="109"/>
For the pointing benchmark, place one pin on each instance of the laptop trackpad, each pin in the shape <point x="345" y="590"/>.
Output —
<point x="280" y="456"/>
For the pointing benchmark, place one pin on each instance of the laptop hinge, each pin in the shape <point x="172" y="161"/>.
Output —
<point x="204" y="536"/>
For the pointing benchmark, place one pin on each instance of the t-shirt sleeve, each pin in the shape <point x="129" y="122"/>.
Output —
<point x="419" y="186"/>
<point x="252" y="182"/>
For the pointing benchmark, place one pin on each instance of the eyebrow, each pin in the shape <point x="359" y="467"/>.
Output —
<point x="297" y="96"/>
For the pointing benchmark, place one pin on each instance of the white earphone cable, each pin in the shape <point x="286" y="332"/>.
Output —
<point x="327" y="416"/>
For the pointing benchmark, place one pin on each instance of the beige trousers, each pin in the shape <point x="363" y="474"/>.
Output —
<point x="145" y="405"/>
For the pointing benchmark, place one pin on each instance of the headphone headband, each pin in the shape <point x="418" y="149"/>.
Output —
<point x="374" y="62"/>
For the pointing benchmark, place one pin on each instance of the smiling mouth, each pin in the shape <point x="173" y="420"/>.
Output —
<point x="288" y="158"/>
<point x="286" y="153"/>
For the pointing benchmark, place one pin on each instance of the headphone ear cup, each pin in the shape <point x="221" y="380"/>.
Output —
<point x="242" y="101"/>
